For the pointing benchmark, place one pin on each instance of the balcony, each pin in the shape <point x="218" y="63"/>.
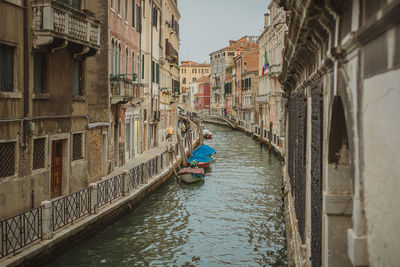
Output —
<point x="263" y="99"/>
<point x="56" y="23"/>
<point x="275" y="70"/>
<point x="124" y="90"/>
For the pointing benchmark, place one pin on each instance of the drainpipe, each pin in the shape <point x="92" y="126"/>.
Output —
<point x="26" y="72"/>
<point x="140" y="71"/>
<point x="151" y="59"/>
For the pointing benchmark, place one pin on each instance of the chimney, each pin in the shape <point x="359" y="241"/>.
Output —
<point x="266" y="17"/>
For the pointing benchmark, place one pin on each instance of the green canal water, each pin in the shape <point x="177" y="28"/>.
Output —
<point x="234" y="218"/>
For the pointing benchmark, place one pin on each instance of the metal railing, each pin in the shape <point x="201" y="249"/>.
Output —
<point x="152" y="167"/>
<point x="110" y="189"/>
<point x="68" y="209"/>
<point x="135" y="177"/>
<point x="26" y="228"/>
<point x="20" y="231"/>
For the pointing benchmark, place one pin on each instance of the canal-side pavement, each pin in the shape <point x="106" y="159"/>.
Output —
<point x="69" y="235"/>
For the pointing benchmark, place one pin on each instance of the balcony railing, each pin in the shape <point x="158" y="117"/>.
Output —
<point x="263" y="99"/>
<point x="274" y="70"/>
<point x="124" y="90"/>
<point x="54" y="19"/>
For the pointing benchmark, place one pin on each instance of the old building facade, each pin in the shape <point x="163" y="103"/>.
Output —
<point x="340" y="76"/>
<point x="246" y="79"/>
<point x="221" y="61"/>
<point x="270" y="105"/>
<point x="47" y="122"/>
<point x="126" y="93"/>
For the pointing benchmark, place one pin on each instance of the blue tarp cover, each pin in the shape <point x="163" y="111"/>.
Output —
<point x="199" y="158"/>
<point x="204" y="150"/>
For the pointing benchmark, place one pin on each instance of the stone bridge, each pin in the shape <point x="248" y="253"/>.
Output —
<point x="218" y="119"/>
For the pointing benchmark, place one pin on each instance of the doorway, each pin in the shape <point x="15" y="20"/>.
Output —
<point x="56" y="168"/>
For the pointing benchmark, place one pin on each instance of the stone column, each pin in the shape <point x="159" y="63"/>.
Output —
<point x="47" y="227"/>
<point x="93" y="198"/>
<point x="126" y="183"/>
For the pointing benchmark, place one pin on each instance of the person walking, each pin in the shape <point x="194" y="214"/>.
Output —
<point x="170" y="132"/>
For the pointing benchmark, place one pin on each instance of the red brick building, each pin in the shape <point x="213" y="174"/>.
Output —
<point x="202" y="99"/>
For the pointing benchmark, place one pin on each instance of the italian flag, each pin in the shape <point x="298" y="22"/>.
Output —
<point x="266" y="63"/>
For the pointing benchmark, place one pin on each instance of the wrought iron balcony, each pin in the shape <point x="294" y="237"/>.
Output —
<point x="124" y="90"/>
<point x="55" y="21"/>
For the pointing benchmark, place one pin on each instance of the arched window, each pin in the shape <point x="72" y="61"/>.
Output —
<point x="119" y="59"/>
<point x="112" y="57"/>
<point x="126" y="60"/>
<point x="133" y="64"/>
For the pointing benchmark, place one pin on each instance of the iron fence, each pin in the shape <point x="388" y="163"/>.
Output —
<point x="68" y="209"/>
<point x="20" y="231"/>
<point x="316" y="175"/>
<point x="110" y="189"/>
<point x="152" y="167"/>
<point x="135" y="177"/>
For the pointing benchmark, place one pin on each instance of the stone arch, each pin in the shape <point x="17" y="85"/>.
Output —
<point x="338" y="189"/>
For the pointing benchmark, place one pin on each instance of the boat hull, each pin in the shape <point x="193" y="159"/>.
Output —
<point x="190" y="178"/>
<point x="204" y="164"/>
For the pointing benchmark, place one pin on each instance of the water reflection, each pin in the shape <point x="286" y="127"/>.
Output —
<point x="235" y="217"/>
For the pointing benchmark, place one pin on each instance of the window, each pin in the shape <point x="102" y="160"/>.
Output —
<point x="192" y="70"/>
<point x="119" y="60"/>
<point x="39" y="72"/>
<point x="158" y="73"/>
<point x="194" y="79"/>
<point x="133" y="13"/>
<point x="133" y="65"/>
<point x="112" y="57"/>
<point x="139" y="19"/>
<point x="155" y="17"/>
<point x="78" y="78"/>
<point x="7" y="159"/>
<point x="231" y="54"/>
<point x="38" y="153"/>
<point x="119" y="6"/>
<point x="6" y="68"/>
<point x="142" y="66"/>
<point x="77" y="152"/>
<point x="153" y="74"/>
<point x="184" y="81"/>
<point x="126" y="61"/>
<point x="126" y="10"/>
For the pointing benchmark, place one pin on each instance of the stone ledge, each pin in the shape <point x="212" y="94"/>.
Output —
<point x="334" y="204"/>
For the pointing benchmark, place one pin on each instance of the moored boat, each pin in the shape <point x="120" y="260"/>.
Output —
<point x="204" y="164"/>
<point x="191" y="175"/>
<point x="207" y="134"/>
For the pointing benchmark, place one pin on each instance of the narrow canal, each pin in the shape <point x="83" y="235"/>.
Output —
<point x="235" y="217"/>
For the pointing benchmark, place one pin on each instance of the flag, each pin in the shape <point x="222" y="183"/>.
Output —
<point x="266" y="63"/>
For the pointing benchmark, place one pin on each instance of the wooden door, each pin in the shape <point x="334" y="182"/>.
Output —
<point x="56" y="169"/>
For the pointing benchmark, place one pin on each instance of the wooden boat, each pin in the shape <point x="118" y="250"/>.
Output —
<point x="204" y="164"/>
<point x="191" y="175"/>
<point x="207" y="134"/>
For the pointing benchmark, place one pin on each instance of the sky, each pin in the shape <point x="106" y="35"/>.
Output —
<point x="208" y="25"/>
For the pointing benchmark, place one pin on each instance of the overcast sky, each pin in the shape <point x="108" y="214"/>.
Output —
<point x="208" y="25"/>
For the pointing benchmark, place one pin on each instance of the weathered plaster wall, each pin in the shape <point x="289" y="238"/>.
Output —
<point x="381" y="145"/>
